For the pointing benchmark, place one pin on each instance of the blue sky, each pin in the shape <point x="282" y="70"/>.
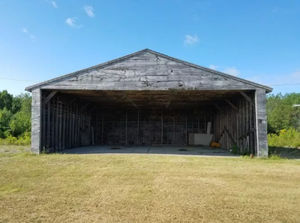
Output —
<point x="257" y="40"/>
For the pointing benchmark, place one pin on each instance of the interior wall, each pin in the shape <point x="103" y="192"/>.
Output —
<point x="66" y="123"/>
<point x="149" y="127"/>
<point x="69" y="122"/>
<point x="235" y="124"/>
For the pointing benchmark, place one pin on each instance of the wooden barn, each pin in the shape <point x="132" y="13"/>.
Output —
<point x="147" y="99"/>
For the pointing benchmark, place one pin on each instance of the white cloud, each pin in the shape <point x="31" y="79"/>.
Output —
<point x="89" y="10"/>
<point x="72" y="22"/>
<point x="29" y="34"/>
<point x="232" y="71"/>
<point x="213" y="67"/>
<point x="53" y="3"/>
<point x="191" y="39"/>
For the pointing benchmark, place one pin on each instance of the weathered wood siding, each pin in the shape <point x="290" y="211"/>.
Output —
<point x="149" y="127"/>
<point x="261" y="123"/>
<point x="148" y="72"/>
<point x="36" y="121"/>
<point x="235" y="125"/>
<point x="66" y="123"/>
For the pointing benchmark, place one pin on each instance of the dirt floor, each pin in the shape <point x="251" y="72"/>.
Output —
<point x="171" y="150"/>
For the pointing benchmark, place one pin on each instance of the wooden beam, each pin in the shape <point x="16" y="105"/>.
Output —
<point x="232" y="105"/>
<point x="125" y="96"/>
<point x="217" y="107"/>
<point x="51" y="95"/>
<point x="246" y="97"/>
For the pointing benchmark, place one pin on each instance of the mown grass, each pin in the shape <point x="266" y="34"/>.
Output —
<point x="147" y="188"/>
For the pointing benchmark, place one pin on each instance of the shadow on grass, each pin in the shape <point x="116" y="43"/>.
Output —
<point x="290" y="153"/>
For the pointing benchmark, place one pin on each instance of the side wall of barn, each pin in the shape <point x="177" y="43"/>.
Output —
<point x="235" y="124"/>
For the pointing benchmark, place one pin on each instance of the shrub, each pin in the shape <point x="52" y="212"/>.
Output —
<point x="25" y="139"/>
<point x="286" y="138"/>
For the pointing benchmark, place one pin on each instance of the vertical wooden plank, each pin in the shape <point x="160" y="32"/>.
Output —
<point x="57" y="126"/>
<point x="162" y="128"/>
<point x="186" y="131"/>
<point x="43" y="143"/>
<point x="126" y="128"/>
<point x="53" y="125"/>
<point x="48" y="125"/>
<point x="60" y="127"/>
<point x="174" y="133"/>
<point x="102" y="129"/>
<point x="138" y="127"/>
<point x="72" y="125"/>
<point x="63" y="126"/>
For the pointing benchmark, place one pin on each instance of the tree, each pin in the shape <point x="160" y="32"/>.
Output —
<point x="281" y="113"/>
<point x="20" y="122"/>
<point x="5" y="116"/>
<point x="5" y="100"/>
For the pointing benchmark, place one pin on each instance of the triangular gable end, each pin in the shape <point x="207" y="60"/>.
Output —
<point x="148" y="70"/>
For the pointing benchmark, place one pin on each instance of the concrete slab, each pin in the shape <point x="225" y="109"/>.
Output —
<point x="168" y="150"/>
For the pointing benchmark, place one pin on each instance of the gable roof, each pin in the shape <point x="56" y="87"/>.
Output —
<point x="111" y="62"/>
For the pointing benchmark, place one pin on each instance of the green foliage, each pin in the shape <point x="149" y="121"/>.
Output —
<point x="281" y="113"/>
<point x="286" y="138"/>
<point x="11" y="140"/>
<point x="20" y="123"/>
<point x="235" y="149"/>
<point x="5" y="100"/>
<point x="5" y="116"/>
<point x="15" y="118"/>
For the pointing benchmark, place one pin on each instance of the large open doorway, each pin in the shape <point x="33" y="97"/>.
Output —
<point x="74" y="118"/>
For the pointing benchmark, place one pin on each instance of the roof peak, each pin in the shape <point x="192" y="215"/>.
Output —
<point x="30" y="88"/>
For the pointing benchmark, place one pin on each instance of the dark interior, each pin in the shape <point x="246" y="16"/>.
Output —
<point x="83" y="117"/>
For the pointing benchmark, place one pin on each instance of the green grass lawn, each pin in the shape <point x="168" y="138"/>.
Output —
<point x="147" y="188"/>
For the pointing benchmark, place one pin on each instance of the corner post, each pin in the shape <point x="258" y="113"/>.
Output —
<point x="36" y="111"/>
<point x="261" y="123"/>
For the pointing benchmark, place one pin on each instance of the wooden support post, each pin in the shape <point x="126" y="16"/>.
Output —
<point x="261" y="123"/>
<point x="36" y="121"/>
